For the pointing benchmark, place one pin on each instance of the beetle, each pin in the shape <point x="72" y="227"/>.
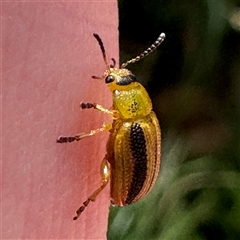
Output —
<point x="132" y="159"/>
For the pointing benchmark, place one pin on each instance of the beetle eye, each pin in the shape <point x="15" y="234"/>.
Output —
<point x="109" y="79"/>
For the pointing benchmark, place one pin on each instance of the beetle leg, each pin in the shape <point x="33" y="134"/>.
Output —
<point x="113" y="113"/>
<point x="105" y="173"/>
<point x="105" y="127"/>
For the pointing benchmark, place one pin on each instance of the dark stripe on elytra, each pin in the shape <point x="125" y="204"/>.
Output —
<point x="139" y="153"/>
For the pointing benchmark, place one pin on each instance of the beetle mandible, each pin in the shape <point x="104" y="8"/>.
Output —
<point x="132" y="159"/>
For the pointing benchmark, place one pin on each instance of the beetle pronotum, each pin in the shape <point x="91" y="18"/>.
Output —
<point x="132" y="159"/>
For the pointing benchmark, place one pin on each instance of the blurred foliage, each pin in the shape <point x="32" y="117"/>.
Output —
<point x="194" y="81"/>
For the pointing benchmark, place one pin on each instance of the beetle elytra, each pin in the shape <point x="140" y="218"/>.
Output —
<point x="132" y="159"/>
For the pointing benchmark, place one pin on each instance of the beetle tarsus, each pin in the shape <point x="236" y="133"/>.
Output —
<point x="87" y="105"/>
<point x="66" y="139"/>
<point x="81" y="209"/>
<point x="105" y="178"/>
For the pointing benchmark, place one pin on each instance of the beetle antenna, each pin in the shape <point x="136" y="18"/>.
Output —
<point x="102" y="49"/>
<point x="114" y="63"/>
<point x="146" y="52"/>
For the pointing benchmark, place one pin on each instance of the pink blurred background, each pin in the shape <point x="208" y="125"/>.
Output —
<point x="49" y="56"/>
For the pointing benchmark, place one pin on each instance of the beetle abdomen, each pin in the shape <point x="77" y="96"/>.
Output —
<point x="135" y="160"/>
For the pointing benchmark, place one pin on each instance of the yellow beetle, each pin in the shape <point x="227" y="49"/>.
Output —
<point x="132" y="160"/>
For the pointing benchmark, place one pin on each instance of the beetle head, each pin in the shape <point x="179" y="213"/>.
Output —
<point x="122" y="78"/>
<point x="119" y="79"/>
